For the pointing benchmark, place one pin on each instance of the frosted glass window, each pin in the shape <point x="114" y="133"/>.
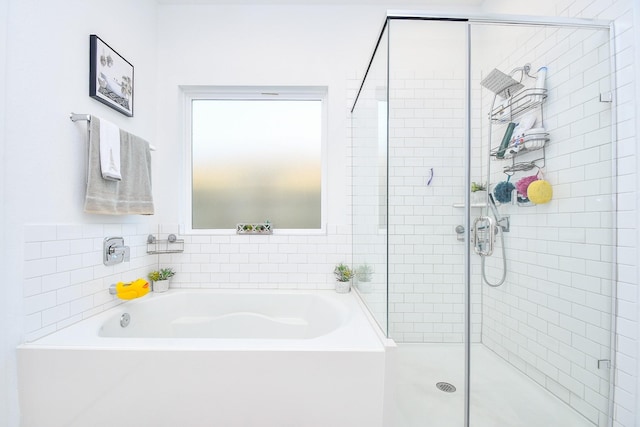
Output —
<point x="255" y="160"/>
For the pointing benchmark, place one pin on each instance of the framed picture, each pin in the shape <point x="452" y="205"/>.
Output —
<point x="110" y="77"/>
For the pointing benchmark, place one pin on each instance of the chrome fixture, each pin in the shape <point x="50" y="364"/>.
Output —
<point x="115" y="251"/>
<point x="500" y="226"/>
<point x="484" y="230"/>
<point x="125" y="319"/>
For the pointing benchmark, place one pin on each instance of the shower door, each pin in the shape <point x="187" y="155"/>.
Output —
<point x="547" y="330"/>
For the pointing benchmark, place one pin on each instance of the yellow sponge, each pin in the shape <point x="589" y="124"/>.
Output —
<point x="540" y="192"/>
<point x="136" y="289"/>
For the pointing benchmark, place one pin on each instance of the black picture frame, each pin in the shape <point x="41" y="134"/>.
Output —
<point x="110" y="77"/>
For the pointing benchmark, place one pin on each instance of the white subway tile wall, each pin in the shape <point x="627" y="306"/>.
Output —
<point x="426" y="261"/>
<point x="295" y="261"/>
<point x="65" y="280"/>
<point x="552" y="318"/>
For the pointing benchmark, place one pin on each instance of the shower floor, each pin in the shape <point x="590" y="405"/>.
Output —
<point x="501" y="395"/>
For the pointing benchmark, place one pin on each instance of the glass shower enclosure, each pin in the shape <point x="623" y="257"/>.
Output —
<point x="483" y="217"/>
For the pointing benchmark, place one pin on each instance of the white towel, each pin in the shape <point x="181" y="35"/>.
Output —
<point x="109" y="150"/>
<point x="129" y="196"/>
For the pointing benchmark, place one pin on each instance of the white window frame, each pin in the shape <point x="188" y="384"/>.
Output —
<point x="192" y="93"/>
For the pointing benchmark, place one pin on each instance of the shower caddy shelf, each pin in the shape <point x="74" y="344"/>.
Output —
<point x="521" y="102"/>
<point x="516" y="106"/>
<point x="170" y="245"/>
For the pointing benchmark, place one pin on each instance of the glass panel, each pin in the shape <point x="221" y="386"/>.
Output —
<point x="542" y="296"/>
<point x="545" y="329"/>
<point x="256" y="160"/>
<point x="369" y="204"/>
<point x="427" y="87"/>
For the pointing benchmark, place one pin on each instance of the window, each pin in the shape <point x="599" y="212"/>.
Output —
<point x="256" y="155"/>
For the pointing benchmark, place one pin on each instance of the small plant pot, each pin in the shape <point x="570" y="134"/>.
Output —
<point x="161" y="286"/>
<point x="343" y="287"/>
<point x="479" y="197"/>
<point x="365" y="287"/>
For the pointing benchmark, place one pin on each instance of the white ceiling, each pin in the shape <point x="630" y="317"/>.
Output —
<point x="391" y="4"/>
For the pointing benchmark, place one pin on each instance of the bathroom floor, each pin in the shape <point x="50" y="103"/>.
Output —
<point x="501" y="395"/>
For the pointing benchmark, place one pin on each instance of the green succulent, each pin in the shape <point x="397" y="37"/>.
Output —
<point x="477" y="187"/>
<point x="343" y="273"/>
<point x="162" y="274"/>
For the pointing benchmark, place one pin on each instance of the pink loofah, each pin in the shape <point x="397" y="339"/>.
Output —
<point x="523" y="184"/>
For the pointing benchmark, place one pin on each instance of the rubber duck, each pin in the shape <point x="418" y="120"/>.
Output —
<point x="136" y="289"/>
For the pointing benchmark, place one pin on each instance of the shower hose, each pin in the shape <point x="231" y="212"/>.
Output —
<point x="504" y="265"/>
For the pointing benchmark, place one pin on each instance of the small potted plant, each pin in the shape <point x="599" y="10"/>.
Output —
<point x="343" y="274"/>
<point x="363" y="273"/>
<point x="161" y="279"/>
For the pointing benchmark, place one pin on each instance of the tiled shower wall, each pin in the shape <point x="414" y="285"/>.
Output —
<point x="552" y="317"/>
<point x="426" y="180"/>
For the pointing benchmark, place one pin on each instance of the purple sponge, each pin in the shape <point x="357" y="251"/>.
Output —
<point x="523" y="184"/>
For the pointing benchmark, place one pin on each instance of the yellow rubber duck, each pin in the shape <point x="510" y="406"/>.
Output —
<point x="136" y="289"/>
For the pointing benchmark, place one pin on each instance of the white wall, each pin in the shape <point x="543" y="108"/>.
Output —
<point x="44" y="77"/>
<point x="7" y="294"/>
<point x="270" y="46"/>
<point x="262" y="45"/>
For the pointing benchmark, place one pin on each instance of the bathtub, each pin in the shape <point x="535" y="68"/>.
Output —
<point x="209" y="358"/>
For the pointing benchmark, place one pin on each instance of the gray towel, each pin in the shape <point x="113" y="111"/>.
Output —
<point x="130" y="196"/>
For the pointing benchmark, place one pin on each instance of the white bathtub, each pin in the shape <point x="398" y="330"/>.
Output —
<point x="210" y="358"/>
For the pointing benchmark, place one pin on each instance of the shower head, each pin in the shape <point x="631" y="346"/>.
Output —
<point x="501" y="84"/>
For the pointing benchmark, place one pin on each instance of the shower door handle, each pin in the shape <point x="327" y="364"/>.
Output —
<point x="484" y="229"/>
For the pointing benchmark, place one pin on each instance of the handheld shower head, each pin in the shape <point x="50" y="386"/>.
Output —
<point x="494" y="208"/>
<point x="502" y="221"/>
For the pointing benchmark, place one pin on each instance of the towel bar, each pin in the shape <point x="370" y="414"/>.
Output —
<point x="87" y="117"/>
